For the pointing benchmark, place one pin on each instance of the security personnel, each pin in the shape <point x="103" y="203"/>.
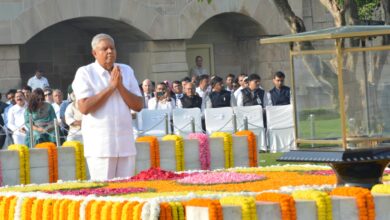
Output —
<point x="253" y="94"/>
<point x="280" y="94"/>
<point x="219" y="97"/>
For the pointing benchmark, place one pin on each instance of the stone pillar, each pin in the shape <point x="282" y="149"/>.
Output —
<point x="9" y="68"/>
<point x="168" y="60"/>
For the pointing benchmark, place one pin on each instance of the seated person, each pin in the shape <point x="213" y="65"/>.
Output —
<point x="253" y="94"/>
<point x="219" y="97"/>
<point x="280" y="94"/>
<point x="190" y="99"/>
<point x="162" y="98"/>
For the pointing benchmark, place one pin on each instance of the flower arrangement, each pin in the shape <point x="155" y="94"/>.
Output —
<point x="154" y="149"/>
<point x="158" y="174"/>
<point x="214" y="206"/>
<point x="165" y="211"/>
<point x="52" y="159"/>
<point x="364" y="200"/>
<point x="204" y="149"/>
<point x="53" y="186"/>
<point x="248" y="205"/>
<point x="36" y="211"/>
<point x="81" y="172"/>
<point x="209" y="178"/>
<point x="179" y="149"/>
<point x="24" y="161"/>
<point x="128" y="209"/>
<point x="322" y="199"/>
<point x="286" y="203"/>
<point x="101" y="191"/>
<point x="227" y="147"/>
<point x="252" y="146"/>
<point x="381" y="189"/>
<point x="177" y="211"/>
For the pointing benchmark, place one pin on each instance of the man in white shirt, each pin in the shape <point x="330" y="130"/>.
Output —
<point x="203" y="88"/>
<point x="147" y="89"/>
<point x="38" y="81"/>
<point x="243" y="84"/>
<point x="198" y="69"/>
<point x="106" y="92"/>
<point x="16" y="119"/>
<point x="57" y="100"/>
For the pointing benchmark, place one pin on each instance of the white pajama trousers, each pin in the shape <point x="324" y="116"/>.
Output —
<point x="104" y="168"/>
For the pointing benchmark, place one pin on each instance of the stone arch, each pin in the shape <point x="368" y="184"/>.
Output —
<point x="262" y="11"/>
<point x="63" y="47"/>
<point x="39" y="16"/>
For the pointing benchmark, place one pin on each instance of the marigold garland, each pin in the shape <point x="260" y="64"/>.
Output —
<point x="5" y="207"/>
<point x="24" y="162"/>
<point x="11" y="210"/>
<point x="227" y="147"/>
<point x="154" y="149"/>
<point x="179" y="149"/>
<point x="116" y="210"/>
<point x="27" y="208"/>
<point x="286" y="203"/>
<point x="36" y="212"/>
<point x="47" y="208"/>
<point x="128" y="209"/>
<point x="252" y="146"/>
<point x="381" y="188"/>
<point x="364" y="200"/>
<point x="52" y="159"/>
<point x="137" y="211"/>
<point x="81" y="168"/>
<point x="248" y="205"/>
<point x="53" y="186"/>
<point x="214" y="206"/>
<point x="165" y="211"/>
<point x="177" y="211"/>
<point x="204" y="149"/>
<point x="322" y="199"/>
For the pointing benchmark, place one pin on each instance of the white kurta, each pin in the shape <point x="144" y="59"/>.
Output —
<point x="15" y="122"/>
<point x="107" y="132"/>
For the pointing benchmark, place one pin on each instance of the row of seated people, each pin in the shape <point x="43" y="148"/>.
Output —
<point x="213" y="94"/>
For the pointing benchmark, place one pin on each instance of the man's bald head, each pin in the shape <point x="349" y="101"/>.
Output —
<point x="147" y="86"/>
<point x="189" y="89"/>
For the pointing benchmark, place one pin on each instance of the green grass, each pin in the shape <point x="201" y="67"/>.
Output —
<point x="325" y="128"/>
<point x="269" y="159"/>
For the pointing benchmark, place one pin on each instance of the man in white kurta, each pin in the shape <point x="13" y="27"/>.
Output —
<point x="106" y="92"/>
<point x="16" y="119"/>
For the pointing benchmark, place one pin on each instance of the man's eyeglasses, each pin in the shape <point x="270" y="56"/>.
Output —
<point x="47" y="94"/>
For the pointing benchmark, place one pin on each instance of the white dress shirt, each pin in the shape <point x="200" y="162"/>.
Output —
<point x="153" y="104"/>
<point x="56" y="108"/>
<point x="34" y="82"/>
<point x="16" y="121"/>
<point x="72" y="114"/>
<point x="108" y="131"/>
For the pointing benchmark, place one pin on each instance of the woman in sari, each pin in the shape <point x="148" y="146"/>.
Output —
<point x="43" y="115"/>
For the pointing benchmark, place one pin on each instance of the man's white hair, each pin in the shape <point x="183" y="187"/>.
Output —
<point x="99" y="37"/>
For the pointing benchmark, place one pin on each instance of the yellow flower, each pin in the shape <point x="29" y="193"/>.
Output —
<point x="179" y="150"/>
<point x="248" y="205"/>
<point x="227" y="147"/>
<point x="24" y="162"/>
<point x="81" y="173"/>
<point x="322" y="199"/>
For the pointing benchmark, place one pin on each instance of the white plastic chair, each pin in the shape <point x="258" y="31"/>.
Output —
<point x="219" y="119"/>
<point x="152" y="122"/>
<point x="254" y="114"/>
<point x="280" y="128"/>
<point x="182" y="120"/>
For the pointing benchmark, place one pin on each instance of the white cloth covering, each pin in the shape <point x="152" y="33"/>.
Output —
<point x="104" y="168"/>
<point x="280" y="128"/>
